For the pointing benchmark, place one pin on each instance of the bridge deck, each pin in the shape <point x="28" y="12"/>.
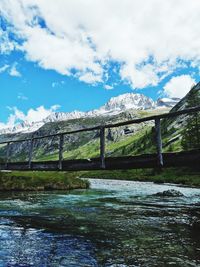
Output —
<point x="178" y="159"/>
<point x="159" y="159"/>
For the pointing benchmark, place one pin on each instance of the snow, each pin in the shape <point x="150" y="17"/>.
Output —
<point x="114" y="106"/>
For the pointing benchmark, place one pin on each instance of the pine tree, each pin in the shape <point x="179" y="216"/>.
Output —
<point x="191" y="132"/>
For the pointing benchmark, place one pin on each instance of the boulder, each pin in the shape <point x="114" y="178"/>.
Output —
<point x="170" y="193"/>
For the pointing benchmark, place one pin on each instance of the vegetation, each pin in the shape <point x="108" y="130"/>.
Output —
<point x="177" y="134"/>
<point x="38" y="181"/>
<point x="134" y="144"/>
<point x="183" y="176"/>
<point x="191" y="133"/>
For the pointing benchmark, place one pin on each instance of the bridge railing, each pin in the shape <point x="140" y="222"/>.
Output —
<point x="101" y="128"/>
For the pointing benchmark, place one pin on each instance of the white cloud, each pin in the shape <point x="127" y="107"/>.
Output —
<point x="13" y="118"/>
<point x="32" y="115"/>
<point x="9" y="123"/>
<point x="14" y="72"/>
<point x="147" y="38"/>
<point x="179" y="86"/>
<point x="54" y="84"/>
<point x="57" y="84"/>
<point x="22" y="97"/>
<point x="6" y="45"/>
<point x="11" y="70"/>
<point x="108" y="87"/>
<point x="4" y="68"/>
<point x="40" y="113"/>
<point x="140" y="77"/>
<point x="90" y="77"/>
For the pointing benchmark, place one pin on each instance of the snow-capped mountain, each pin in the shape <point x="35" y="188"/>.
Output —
<point x="23" y="127"/>
<point x="64" y="116"/>
<point x="128" y="101"/>
<point x="167" y="102"/>
<point x="114" y="106"/>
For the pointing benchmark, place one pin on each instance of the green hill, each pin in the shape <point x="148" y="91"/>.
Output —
<point x="122" y="141"/>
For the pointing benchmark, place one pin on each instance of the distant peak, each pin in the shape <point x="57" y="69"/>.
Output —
<point x="114" y="106"/>
<point x="128" y="101"/>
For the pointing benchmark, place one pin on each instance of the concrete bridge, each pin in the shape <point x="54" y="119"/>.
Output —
<point x="156" y="160"/>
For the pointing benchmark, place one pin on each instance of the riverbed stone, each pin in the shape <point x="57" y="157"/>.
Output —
<point x="170" y="193"/>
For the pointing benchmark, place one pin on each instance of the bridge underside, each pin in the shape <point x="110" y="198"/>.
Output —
<point x="178" y="159"/>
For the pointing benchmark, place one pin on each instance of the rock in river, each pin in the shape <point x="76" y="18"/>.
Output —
<point x="169" y="193"/>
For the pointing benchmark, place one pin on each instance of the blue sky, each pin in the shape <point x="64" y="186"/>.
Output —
<point x="73" y="61"/>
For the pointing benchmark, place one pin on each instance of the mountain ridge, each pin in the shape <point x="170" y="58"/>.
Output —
<point x="126" y="140"/>
<point x="114" y="106"/>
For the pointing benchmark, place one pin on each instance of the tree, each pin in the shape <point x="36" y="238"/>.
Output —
<point x="191" y="132"/>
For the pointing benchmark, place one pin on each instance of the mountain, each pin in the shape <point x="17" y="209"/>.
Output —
<point x="125" y="140"/>
<point x="167" y="102"/>
<point x="23" y="127"/>
<point x="128" y="101"/>
<point x="114" y="106"/>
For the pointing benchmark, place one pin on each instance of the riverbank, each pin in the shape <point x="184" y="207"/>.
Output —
<point x="183" y="176"/>
<point x="39" y="181"/>
<point x="114" y="223"/>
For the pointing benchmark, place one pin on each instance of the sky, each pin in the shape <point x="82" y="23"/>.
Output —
<point x="67" y="55"/>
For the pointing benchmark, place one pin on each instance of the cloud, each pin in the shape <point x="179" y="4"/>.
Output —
<point x="22" y="97"/>
<point x="11" y="70"/>
<point x="9" y="124"/>
<point x="6" y="45"/>
<point x="57" y="84"/>
<point x="90" y="77"/>
<point x="179" y="86"/>
<point x="4" y="68"/>
<point x="40" y="113"/>
<point x="13" y="118"/>
<point x="140" y="77"/>
<point x="54" y="84"/>
<point x="108" y="87"/>
<point x="14" y="72"/>
<point x="148" y="39"/>
<point x="32" y="115"/>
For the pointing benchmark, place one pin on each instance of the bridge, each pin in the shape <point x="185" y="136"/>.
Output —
<point x="155" y="160"/>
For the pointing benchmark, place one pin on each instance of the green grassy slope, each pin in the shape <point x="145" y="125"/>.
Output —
<point x="24" y="181"/>
<point x="184" y="176"/>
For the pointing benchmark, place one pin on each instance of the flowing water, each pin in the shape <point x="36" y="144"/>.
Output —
<point x="115" y="223"/>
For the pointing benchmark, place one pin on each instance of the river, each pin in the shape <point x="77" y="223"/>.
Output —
<point x="114" y="223"/>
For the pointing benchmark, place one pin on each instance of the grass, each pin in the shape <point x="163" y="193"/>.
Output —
<point x="138" y="143"/>
<point x="128" y="145"/>
<point x="38" y="180"/>
<point x="182" y="176"/>
<point x="84" y="147"/>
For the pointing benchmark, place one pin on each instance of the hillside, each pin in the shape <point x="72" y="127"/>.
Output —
<point x="131" y="140"/>
<point x="77" y="145"/>
<point x="115" y="106"/>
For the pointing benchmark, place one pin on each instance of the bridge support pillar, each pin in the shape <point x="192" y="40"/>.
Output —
<point x="159" y="142"/>
<point x="61" y="143"/>
<point x="7" y="154"/>
<point x="30" y="153"/>
<point x="102" y="147"/>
